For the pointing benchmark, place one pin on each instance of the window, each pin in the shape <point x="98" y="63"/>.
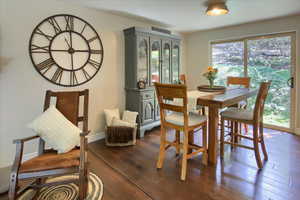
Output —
<point x="228" y="58"/>
<point x="261" y="58"/>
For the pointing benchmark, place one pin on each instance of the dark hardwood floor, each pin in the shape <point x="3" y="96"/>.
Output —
<point x="236" y="177"/>
<point x="116" y="186"/>
<point x="129" y="173"/>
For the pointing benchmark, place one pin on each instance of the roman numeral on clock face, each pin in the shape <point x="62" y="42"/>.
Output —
<point x="45" y="65"/>
<point x="69" y="23"/>
<point x="73" y="78"/>
<point x="39" y="49"/>
<point x="83" y="29"/>
<point x="92" y="39"/>
<point x="57" y="75"/>
<point x="96" y="51"/>
<point x="55" y="25"/>
<point x="94" y="63"/>
<point x="40" y="32"/>
<point x="86" y="74"/>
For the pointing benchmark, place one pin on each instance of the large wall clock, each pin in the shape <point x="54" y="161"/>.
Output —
<point x="66" y="50"/>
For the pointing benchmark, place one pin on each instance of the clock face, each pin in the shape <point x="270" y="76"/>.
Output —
<point x="66" y="50"/>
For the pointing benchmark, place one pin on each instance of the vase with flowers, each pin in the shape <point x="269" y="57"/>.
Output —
<point x="211" y="75"/>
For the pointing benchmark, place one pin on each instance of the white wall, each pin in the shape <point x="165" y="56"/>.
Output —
<point x="22" y="89"/>
<point x="198" y="46"/>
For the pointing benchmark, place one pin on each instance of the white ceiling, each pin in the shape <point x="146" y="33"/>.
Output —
<point x="189" y="15"/>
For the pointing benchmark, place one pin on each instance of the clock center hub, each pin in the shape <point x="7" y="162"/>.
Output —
<point x="71" y="50"/>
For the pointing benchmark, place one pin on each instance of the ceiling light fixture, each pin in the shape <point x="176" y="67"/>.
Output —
<point x="216" y="8"/>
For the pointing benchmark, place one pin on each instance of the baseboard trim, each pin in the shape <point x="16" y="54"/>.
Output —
<point x="95" y="137"/>
<point x="91" y="138"/>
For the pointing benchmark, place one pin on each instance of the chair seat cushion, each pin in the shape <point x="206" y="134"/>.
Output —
<point x="237" y="113"/>
<point x="178" y="119"/>
<point x="51" y="160"/>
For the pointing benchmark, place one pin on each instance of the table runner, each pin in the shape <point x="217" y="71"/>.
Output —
<point x="192" y="97"/>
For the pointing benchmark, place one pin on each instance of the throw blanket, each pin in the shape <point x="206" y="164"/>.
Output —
<point x="119" y="134"/>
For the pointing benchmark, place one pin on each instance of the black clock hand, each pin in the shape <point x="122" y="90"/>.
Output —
<point x="67" y="43"/>
<point x="71" y="39"/>
<point x="72" y="61"/>
<point x="62" y="50"/>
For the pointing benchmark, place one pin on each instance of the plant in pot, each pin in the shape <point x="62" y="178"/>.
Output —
<point x="211" y="75"/>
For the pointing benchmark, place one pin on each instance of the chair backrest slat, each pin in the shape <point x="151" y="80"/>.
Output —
<point x="260" y="101"/>
<point x="68" y="104"/>
<point x="244" y="81"/>
<point x="174" y="108"/>
<point x="168" y="91"/>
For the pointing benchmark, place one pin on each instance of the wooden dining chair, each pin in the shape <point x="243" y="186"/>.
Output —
<point x="180" y="120"/>
<point x="200" y="108"/>
<point x="240" y="81"/>
<point x="182" y="79"/>
<point x="254" y="118"/>
<point x="49" y="162"/>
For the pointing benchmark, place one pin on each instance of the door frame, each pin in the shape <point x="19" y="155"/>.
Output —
<point x="245" y="40"/>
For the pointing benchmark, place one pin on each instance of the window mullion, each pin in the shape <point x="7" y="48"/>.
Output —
<point x="245" y="58"/>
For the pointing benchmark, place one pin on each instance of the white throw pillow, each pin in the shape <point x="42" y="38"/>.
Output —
<point x="56" y="130"/>
<point x="129" y="116"/>
<point x="118" y="122"/>
<point x="110" y="114"/>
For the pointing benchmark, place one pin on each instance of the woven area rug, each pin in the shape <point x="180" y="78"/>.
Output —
<point x="67" y="191"/>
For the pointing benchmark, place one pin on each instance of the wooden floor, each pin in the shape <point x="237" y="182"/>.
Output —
<point x="129" y="173"/>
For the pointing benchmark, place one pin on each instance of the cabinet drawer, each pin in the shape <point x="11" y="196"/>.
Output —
<point x="147" y="95"/>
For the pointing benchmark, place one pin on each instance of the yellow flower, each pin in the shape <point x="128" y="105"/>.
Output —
<point x="210" y="69"/>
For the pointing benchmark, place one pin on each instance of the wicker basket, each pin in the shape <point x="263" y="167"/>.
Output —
<point x="120" y="136"/>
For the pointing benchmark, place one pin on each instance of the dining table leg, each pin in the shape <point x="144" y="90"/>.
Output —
<point x="213" y="123"/>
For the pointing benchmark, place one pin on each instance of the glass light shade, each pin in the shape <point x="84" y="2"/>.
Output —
<point x="215" y="9"/>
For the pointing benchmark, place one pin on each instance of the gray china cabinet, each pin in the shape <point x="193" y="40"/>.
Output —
<point x="151" y="56"/>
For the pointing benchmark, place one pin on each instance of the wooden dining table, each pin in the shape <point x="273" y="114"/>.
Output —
<point x="215" y="102"/>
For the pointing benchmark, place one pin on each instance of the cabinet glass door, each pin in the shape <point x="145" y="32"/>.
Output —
<point x="166" y="63"/>
<point x="155" y="57"/>
<point x="175" y="64"/>
<point x="142" y="69"/>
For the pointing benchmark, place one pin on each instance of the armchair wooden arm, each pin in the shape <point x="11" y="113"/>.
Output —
<point x="83" y="134"/>
<point x="18" y="159"/>
<point x="19" y="152"/>
<point x="25" y="139"/>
